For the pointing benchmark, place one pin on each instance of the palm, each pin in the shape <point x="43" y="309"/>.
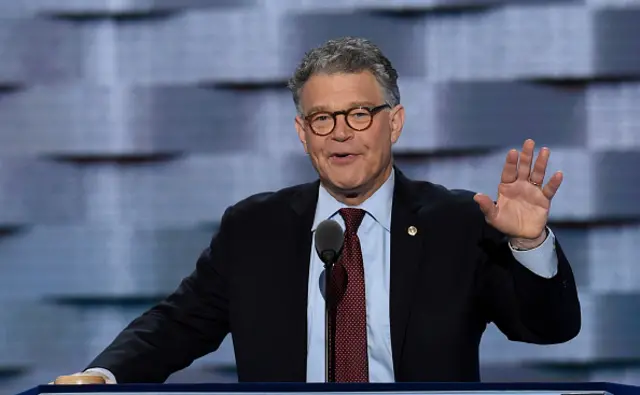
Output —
<point x="522" y="207"/>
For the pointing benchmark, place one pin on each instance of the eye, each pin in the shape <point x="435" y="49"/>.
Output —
<point x="321" y="118"/>
<point x="360" y="114"/>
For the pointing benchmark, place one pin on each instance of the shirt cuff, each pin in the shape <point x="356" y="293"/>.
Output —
<point x="111" y="378"/>
<point x="541" y="260"/>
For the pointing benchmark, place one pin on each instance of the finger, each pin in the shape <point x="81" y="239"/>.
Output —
<point x="552" y="186"/>
<point x="526" y="157"/>
<point x="540" y="166"/>
<point x="486" y="204"/>
<point x="510" y="169"/>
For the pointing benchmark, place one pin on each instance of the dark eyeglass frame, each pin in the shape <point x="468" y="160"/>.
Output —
<point x="371" y="110"/>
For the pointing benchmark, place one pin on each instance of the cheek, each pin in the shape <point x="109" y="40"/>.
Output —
<point x="378" y="146"/>
<point x="315" y="149"/>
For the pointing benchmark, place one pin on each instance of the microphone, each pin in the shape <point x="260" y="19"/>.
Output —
<point x="329" y="238"/>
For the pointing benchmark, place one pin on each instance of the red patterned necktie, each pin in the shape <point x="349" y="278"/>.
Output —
<point x="348" y="319"/>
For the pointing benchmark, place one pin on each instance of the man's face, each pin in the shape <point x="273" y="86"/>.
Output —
<point x="347" y="160"/>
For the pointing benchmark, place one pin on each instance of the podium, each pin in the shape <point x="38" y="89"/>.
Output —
<point x="595" y="388"/>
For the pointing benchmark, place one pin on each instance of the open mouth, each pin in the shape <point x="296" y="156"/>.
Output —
<point x="343" y="158"/>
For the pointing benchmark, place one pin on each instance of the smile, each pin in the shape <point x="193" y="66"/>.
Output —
<point x="343" y="158"/>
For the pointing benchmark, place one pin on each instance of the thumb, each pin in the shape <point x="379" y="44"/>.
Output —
<point x="486" y="204"/>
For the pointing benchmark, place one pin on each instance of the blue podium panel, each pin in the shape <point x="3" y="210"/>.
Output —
<point x="596" y="388"/>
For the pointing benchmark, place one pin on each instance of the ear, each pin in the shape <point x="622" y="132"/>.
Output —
<point x="396" y="122"/>
<point x="299" y="123"/>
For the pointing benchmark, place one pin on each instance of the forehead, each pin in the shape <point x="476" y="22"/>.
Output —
<point x="338" y="91"/>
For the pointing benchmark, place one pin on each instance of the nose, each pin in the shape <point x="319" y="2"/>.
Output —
<point x="342" y="131"/>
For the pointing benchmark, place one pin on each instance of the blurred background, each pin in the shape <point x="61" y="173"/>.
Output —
<point x="126" y="128"/>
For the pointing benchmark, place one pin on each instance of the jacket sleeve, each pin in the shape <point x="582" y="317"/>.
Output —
<point x="527" y="307"/>
<point x="191" y="322"/>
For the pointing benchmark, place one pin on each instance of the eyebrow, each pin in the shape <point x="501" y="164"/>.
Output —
<point x="350" y="105"/>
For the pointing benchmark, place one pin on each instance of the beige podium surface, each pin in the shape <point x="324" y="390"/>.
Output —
<point x="80" y="379"/>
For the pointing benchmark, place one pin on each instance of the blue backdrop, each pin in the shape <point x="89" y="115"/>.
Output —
<point x="126" y="127"/>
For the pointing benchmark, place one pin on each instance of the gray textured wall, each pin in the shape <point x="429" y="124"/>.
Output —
<point x="126" y="127"/>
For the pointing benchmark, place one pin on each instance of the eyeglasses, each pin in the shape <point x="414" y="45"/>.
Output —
<point x="358" y="118"/>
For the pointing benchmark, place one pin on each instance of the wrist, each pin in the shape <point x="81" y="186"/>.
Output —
<point x="522" y="244"/>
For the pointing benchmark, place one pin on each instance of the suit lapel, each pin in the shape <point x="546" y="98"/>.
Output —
<point x="406" y="255"/>
<point x="304" y="204"/>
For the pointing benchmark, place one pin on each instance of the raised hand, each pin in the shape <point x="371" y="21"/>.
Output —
<point x="522" y="208"/>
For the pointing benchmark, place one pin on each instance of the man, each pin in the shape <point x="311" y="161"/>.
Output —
<point x="427" y="267"/>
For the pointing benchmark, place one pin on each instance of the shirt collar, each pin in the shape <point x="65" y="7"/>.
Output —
<point x="377" y="206"/>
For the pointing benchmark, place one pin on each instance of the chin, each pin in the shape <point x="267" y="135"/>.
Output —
<point x="346" y="178"/>
<point x="347" y="184"/>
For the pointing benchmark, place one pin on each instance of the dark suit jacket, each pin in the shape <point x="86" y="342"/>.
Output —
<point x="447" y="282"/>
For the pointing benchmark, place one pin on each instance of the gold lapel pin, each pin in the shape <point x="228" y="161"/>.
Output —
<point x="412" y="230"/>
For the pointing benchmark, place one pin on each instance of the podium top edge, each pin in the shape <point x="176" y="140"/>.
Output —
<point x="588" y="388"/>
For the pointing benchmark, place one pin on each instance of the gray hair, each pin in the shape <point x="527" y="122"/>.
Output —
<point x="347" y="55"/>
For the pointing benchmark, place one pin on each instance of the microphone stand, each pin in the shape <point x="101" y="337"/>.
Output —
<point x="327" y="329"/>
<point x="329" y="258"/>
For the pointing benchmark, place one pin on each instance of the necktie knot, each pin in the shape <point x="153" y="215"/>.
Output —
<point x="352" y="219"/>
